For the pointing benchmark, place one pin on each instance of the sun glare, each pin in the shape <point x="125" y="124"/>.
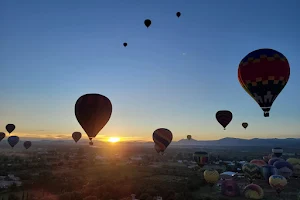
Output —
<point x="114" y="139"/>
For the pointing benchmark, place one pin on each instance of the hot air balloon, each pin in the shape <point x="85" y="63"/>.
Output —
<point x="268" y="170"/>
<point x="284" y="168"/>
<point x="178" y="14"/>
<point x="267" y="158"/>
<point x="295" y="162"/>
<point x="10" y="128"/>
<point x="230" y="188"/>
<point x="277" y="151"/>
<point x="93" y="111"/>
<point x="2" y="135"/>
<point x="224" y="117"/>
<point x="147" y="23"/>
<point x="245" y="125"/>
<point x="76" y="136"/>
<point x="253" y="191"/>
<point x="211" y="176"/>
<point x="273" y="160"/>
<point x="263" y="74"/>
<point x="162" y="137"/>
<point x="13" y="140"/>
<point x="156" y="147"/>
<point x="27" y="144"/>
<point x="258" y="162"/>
<point x="277" y="182"/>
<point x="251" y="171"/>
<point x="189" y="137"/>
<point x="201" y="158"/>
<point x="125" y="44"/>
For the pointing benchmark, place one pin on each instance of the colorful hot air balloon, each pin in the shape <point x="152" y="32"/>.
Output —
<point x="2" y="135"/>
<point x="268" y="170"/>
<point x="125" y="44"/>
<point x="189" y="137"/>
<point x="277" y="182"/>
<point x="277" y="151"/>
<point x="230" y="188"/>
<point x="178" y="14"/>
<point x="10" y="128"/>
<point x="284" y="168"/>
<point x="253" y="191"/>
<point x="245" y="125"/>
<point x="295" y="162"/>
<point x="13" y="140"/>
<point x="273" y="160"/>
<point x="224" y="117"/>
<point x="263" y="74"/>
<point x="201" y="158"/>
<point x="147" y="23"/>
<point x="27" y="144"/>
<point x="258" y="162"/>
<point x="76" y="136"/>
<point x="211" y="176"/>
<point x="162" y="137"/>
<point x="251" y="171"/>
<point x="93" y="111"/>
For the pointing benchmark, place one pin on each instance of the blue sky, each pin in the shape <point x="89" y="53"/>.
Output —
<point x="175" y="74"/>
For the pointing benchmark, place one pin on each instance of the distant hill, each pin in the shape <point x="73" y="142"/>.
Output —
<point x="228" y="141"/>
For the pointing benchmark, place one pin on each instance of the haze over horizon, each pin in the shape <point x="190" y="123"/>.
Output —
<point x="175" y="74"/>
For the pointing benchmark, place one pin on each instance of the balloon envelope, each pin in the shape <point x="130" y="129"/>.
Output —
<point x="263" y="74"/>
<point x="125" y="44"/>
<point x="189" y="137"/>
<point x="178" y="14"/>
<point x="2" y="135"/>
<point x="245" y="125"/>
<point x="284" y="168"/>
<point x="253" y="191"/>
<point x="277" y="182"/>
<point x="230" y="188"/>
<point x="162" y="137"/>
<point x="251" y="171"/>
<point x="224" y="117"/>
<point x="76" y="136"/>
<point x="27" y="144"/>
<point x="268" y="170"/>
<point x="10" y="128"/>
<point x="93" y="111"/>
<point x="147" y="23"/>
<point x="201" y="158"/>
<point x="211" y="176"/>
<point x="277" y="151"/>
<point x="13" y="140"/>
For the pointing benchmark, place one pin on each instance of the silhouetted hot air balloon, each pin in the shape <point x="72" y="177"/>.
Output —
<point x="245" y="125"/>
<point x="125" y="44"/>
<point x="253" y="191"/>
<point x="263" y="74"/>
<point x="178" y="14"/>
<point x="156" y="147"/>
<point x="224" y="117"/>
<point x="93" y="111"/>
<point x="10" y="128"/>
<point x="13" y="140"/>
<point x="251" y="171"/>
<point x="162" y="137"/>
<point x="2" y="135"/>
<point x="277" y="151"/>
<point x="189" y="137"/>
<point x="27" y="144"/>
<point x="277" y="182"/>
<point x="76" y="136"/>
<point x="201" y="158"/>
<point x="147" y="23"/>
<point x="211" y="176"/>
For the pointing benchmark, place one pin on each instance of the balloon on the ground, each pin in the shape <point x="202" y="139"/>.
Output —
<point x="224" y="117"/>
<point x="13" y="140"/>
<point x="253" y="191"/>
<point x="27" y="144"/>
<point x="93" y="111"/>
<point x="162" y="137"/>
<point x="277" y="151"/>
<point x="10" y="128"/>
<point x="258" y="162"/>
<point x="201" y="158"/>
<point x="211" y="176"/>
<point x="251" y="171"/>
<point x="295" y="162"/>
<point x="284" y="168"/>
<point x="268" y="170"/>
<point x="263" y="74"/>
<point x="273" y="160"/>
<point x="230" y="188"/>
<point x="277" y="182"/>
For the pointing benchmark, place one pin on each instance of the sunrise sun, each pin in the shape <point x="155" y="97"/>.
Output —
<point x="114" y="139"/>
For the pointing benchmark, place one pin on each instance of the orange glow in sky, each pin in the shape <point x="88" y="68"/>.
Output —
<point x="113" y="139"/>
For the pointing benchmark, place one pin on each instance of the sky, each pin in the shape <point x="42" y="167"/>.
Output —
<point x="176" y="74"/>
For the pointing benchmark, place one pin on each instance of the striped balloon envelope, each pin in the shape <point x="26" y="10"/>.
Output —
<point x="258" y="162"/>
<point x="251" y="171"/>
<point x="253" y="191"/>
<point x="162" y="138"/>
<point x="268" y="170"/>
<point x="201" y="158"/>
<point x="224" y="117"/>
